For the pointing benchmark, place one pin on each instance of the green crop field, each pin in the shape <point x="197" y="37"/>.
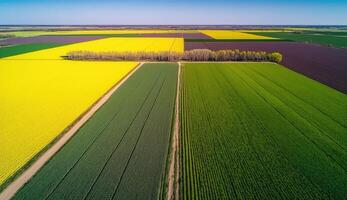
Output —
<point x="325" y="38"/>
<point x="332" y="33"/>
<point x="25" y="48"/>
<point x="120" y="153"/>
<point x="260" y="131"/>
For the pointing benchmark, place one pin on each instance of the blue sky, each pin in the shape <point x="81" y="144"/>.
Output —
<point x="272" y="12"/>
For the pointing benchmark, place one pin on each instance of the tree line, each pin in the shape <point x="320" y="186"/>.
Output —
<point x="192" y="55"/>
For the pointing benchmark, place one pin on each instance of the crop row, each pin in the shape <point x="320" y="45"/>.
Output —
<point x="120" y="153"/>
<point x="324" y="64"/>
<point x="260" y="131"/>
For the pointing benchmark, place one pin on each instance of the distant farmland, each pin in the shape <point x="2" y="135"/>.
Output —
<point x="92" y="32"/>
<point x="188" y="35"/>
<point x="234" y="35"/>
<point x="48" y="39"/>
<point x="260" y="131"/>
<point x="328" y="39"/>
<point x="120" y="153"/>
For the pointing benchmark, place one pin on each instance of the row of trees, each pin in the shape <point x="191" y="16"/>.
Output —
<point x="192" y="55"/>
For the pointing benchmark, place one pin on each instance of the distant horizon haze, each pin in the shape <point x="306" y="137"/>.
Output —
<point x="179" y="12"/>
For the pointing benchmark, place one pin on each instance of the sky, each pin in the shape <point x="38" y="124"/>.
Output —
<point x="168" y="12"/>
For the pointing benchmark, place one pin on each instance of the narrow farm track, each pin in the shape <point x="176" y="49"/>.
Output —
<point x="102" y="160"/>
<point x="174" y="169"/>
<point x="10" y="191"/>
<point x="259" y="131"/>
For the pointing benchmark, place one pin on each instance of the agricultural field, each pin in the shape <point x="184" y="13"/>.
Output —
<point x="93" y="125"/>
<point x="25" y="48"/>
<point x="93" y="32"/>
<point x="48" y="39"/>
<point x="184" y="35"/>
<point x="321" y="29"/>
<point x="234" y="35"/>
<point x="132" y="31"/>
<point x="330" y="33"/>
<point x="265" y="30"/>
<point x="120" y="153"/>
<point x="260" y="131"/>
<point x="25" y="33"/>
<point x="41" y="98"/>
<point x="324" y="64"/>
<point x="333" y="40"/>
<point x="109" y="44"/>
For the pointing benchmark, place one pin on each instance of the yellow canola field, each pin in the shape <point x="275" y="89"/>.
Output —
<point x="40" y="98"/>
<point x="233" y="35"/>
<point x="263" y="30"/>
<point x="108" y="44"/>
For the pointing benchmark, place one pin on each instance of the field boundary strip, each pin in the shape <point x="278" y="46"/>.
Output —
<point x="24" y="177"/>
<point x="173" y="176"/>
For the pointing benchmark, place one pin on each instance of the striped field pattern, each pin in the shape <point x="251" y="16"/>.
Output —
<point x="120" y="153"/>
<point x="260" y="131"/>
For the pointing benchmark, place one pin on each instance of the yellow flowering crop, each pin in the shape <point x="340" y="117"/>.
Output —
<point x="263" y="30"/>
<point x="40" y="98"/>
<point x="109" y="44"/>
<point x="234" y="35"/>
